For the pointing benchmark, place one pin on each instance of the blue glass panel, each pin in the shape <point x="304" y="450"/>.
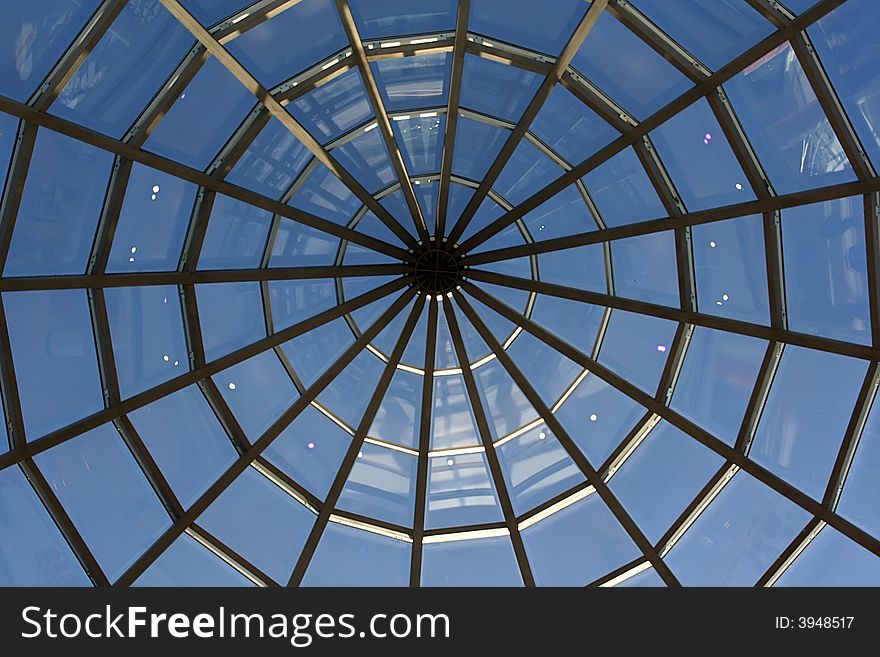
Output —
<point x="699" y="159"/>
<point x="347" y="396"/>
<point x="504" y="404"/>
<point x="544" y="27"/>
<point x="118" y="527"/>
<point x="831" y="559"/>
<point x="497" y="89"/>
<point x="646" y="578"/>
<point x="459" y="197"/>
<point x="399" y="414"/>
<point x="8" y="132"/>
<point x="298" y="245"/>
<point x="478" y="562"/>
<point x="622" y="192"/>
<point x="186" y="441"/>
<point x="146" y="327"/>
<point x="261" y="522"/>
<point x="236" y="235"/>
<point x="826" y="271"/>
<point x="598" y="418"/>
<point x="60" y="206"/>
<point x="858" y="502"/>
<point x="36" y="35"/>
<point x="346" y="556"/>
<point x="370" y="224"/>
<point x="210" y="12"/>
<point x="737" y="537"/>
<point x="476" y="146"/>
<point x="806" y="415"/>
<point x="271" y="162"/>
<point x="716" y="380"/>
<point x="577" y="545"/>
<point x="445" y="356"/>
<point x="324" y="195"/>
<point x="564" y="214"/>
<point x="334" y="108"/>
<point x="53" y="349"/>
<point x="421" y="143"/>
<point x="203" y="118"/>
<point x="486" y="214"/>
<point x="731" y="270"/>
<point x="426" y="195"/>
<point x="528" y="171"/>
<point x="33" y="552"/>
<point x="661" y="478"/>
<point x="582" y="267"/>
<point x="407" y="83"/>
<point x="310" y="449"/>
<point x="645" y="268"/>
<point x="231" y="316"/>
<point x="800" y="6"/>
<point x="258" y="390"/>
<point x="576" y="323"/>
<point x="292" y="41"/>
<point x="549" y="372"/>
<point x="153" y="223"/>
<point x="313" y="352"/>
<point x="452" y="420"/>
<point x="186" y="563"/>
<point x="627" y="69"/>
<point x="294" y="301"/>
<point x="571" y="128"/>
<point x="381" y="485"/>
<point x="375" y="20"/>
<point x="715" y="32"/>
<point x="102" y="94"/>
<point x="636" y="346"/>
<point x="366" y="158"/>
<point x="785" y="123"/>
<point x="460" y="492"/>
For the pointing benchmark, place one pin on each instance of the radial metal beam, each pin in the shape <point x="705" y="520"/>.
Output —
<point x="109" y="219"/>
<point x="375" y="97"/>
<point x="790" y="554"/>
<point x="13" y="419"/>
<point x="541" y="95"/>
<point x="262" y="94"/>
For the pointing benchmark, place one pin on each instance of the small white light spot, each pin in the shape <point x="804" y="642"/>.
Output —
<point x="183" y="96"/>
<point x="360" y="455"/>
<point x="593" y="417"/>
<point x="661" y="348"/>
<point x="542" y="227"/>
<point x="739" y="186"/>
<point x="231" y="386"/>
<point x="718" y="303"/>
<point x="153" y="197"/>
<point x="134" y="249"/>
<point x="131" y="259"/>
<point x="176" y="363"/>
<point x="311" y="445"/>
<point x="166" y="358"/>
<point x="542" y="435"/>
<point x="439" y="297"/>
<point x="164" y="299"/>
<point x="712" y="245"/>
<point x="155" y="189"/>
<point x="724" y="297"/>
<point x="450" y="462"/>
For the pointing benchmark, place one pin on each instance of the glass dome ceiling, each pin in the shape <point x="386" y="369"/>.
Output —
<point x="372" y="292"/>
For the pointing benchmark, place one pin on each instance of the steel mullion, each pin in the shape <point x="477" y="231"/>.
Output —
<point x="248" y="18"/>
<point x="482" y="423"/>
<point x="555" y="426"/>
<point x="13" y="419"/>
<point x="778" y="15"/>
<point x="16" y="178"/>
<point x="541" y="95"/>
<point x="758" y="398"/>
<point x="109" y="219"/>
<point x="240" y="141"/>
<point x="196" y="230"/>
<point x="790" y="554"/>
<point x="872" y="253"/>
<point x="772" y="226"/>
<point x="232" y="558"/>
<point x="598" y="101"/>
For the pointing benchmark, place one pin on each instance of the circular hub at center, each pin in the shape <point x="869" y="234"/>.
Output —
<point x="436" y="271"/>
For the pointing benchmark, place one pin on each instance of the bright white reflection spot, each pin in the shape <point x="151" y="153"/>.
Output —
<point x="176" y="363"/>
<point x="311" y="445"/>
<point x="593" y="417"/>
<point x="712" y="244"/>
<point x="166" y="358"/>
<point x="718" y="303"/>
<point x="542" y="435"/>
<point x="134" y="249"/>
<point x="131" y="259"/>
<point x="231" y="386"/>
<point x="724" y="297"/>
<point x="360" y="455"/>
<point x="183" y="96"/>
<point x="661" y="348"/>
<point x="164" y="299"/>
<point x="155" y="189"/>
<point x="450" y="462"/>
<point x="153" y="197"/>
<point x="439" y="297"/>
<point x="739" y="186"/>
<point x="707" y="137"/>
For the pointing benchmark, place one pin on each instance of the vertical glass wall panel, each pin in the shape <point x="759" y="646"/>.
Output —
<point x="806" y="415"/>
<point x="731" y="269"/>
<point x="399" y="414"/>
<point x="366" y="158"/>
<point x="781" y="115"/>
<point x="575" y="322"/>
<point x="313" y="352"/>
<point x="715" y="32"/>
<point x="375" y="20"/>
<point x="103" y="94"/>
<point x="53" y="349"/>
<point x="845" y="41"/>
<point x="528" y="171"/>
<point x="461" y="492"/>
<point x="334" y="108"/>
<point x="298" y="245"/>
<point x="408" y="83"/>
<point x="476" y="146"/>
<point x="658" y="481"/>
<point x="310" y="449"/>
<point x="421" y="143"/>
<point x="826" y="271"/>
<point x="738" y="537"/>
<point x="349" y="393"/>
<point x="346" y="556"/>
<point x="504" y="403"/>
<point x="294" y="301"/>
<point x="536" y="468"/>
<point x="37" y="34"/>
<point x="570" y="128"/>
<point x="622" y="192"/>
<point x="627" y="69"/>
<point x="231" y="316"/>
<point x="186" y="440"/>
<point x="564" y="214"/>
<point x="598" y="418"/>
<point x="271" y="162"/>
<point x="146" y="328"/>
<point x="452" y="419"/>
<point x="210" y="12"/>
<point x="324" y="195"/>
<point x="381" y="485"/>
<point x="858" y="502"/>
<point x="33" y="551"/>
<point x="548" y="371"/>
<point x="236" y="235"/>
<point x="153" y="221"/>
<point x="496" y="89"/>
<point x="258" y="390"/>
<point x="542" y="27"/>
<point x="203" y="117"/>
<point x="831" y="559"/>
<point x="107" y="497"/>
<point x="477" y="562"/>
<point x="582" y="267"/>
<point x="699" y="159"/>
<point x="577" y="545"/>
<point x="60" y="206"/>
<point x="645" y="268"/>
<point x="186" y="563"/>
<point x="636" y="346"/>
<point x="290" y="42"/>
<point x="716" y="381"/>
<point x="261" y="522"/>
